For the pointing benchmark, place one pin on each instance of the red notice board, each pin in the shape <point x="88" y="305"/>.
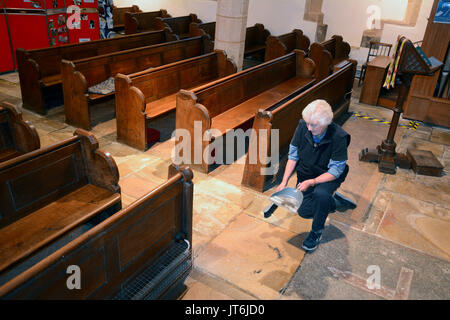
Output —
<point x="6" y="58"/>
<point x="28" y="31"/>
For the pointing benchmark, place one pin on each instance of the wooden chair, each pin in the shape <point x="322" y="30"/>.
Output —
<point x="17" y="136"/>
<point x="142" y="252"/>
<point x="375" y="49"/>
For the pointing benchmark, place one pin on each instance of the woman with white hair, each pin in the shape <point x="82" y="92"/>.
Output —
<point x="318" y="152"/>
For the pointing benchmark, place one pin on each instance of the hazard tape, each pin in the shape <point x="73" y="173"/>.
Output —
<point x="413" y="125"/>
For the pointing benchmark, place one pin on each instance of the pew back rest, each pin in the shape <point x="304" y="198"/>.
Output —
<point x="119" y="14"/>
<point x="141" y="21"/>
<point x="100" y="68"/>
<point x="15" y="132"/>
<point x="256" y="35"/>
<point x="28" y="183"/>
<point x="49" y="59"/>
<point x="179" y="25"/>
<point x="169" y="79"/>
<point x="116" y="250"/>
<point x="40" y="177"/>
<point x="333" y="89"/>
<point x="230" y="91"/>
<point x="196" y="29"/>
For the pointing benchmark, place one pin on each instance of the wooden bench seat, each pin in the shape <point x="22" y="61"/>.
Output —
<point x="227" y="103"/>
<point x="79" y="75"/>
<point x="145" y="96"/>
<point x="9" y="153"/>
<point x="40" y="69"/>
<point x="336" y="89"/>
<point x="136" y="22"/>
<point x="255" y="41"/>
<point x="177" y="25"/>
<point x="142" y="252"/>
<point x="119" y="16"/>
<point x="255" y="37"/>
<point x="17" y="136"/>
<point x="277" y="46"/>
<point x="44" y="226"/>
<point x="47" y="193"/>
<point x="51" y="80"/>
<point x="246" y="110"/>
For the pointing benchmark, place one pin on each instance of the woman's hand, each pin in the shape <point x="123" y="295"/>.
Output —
<point x="281" y="186"/>
<point x="303" y="186"/>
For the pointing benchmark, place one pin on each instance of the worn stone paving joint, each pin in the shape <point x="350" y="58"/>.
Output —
<point x="411" y="125"/>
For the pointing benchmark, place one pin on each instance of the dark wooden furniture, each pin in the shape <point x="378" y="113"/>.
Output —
<point x="198" y="29"/>
<point x="178" y="25"/>
<point x="335" y="89"/>
<point x="142" y="97"/>
<point x="136" y="22"/>
<point x="47" y="193"/>
<point x="277" y="46"/>
<point x="410" y="63"/>
<point x="337" y="47"/>
<point x="40" y="69"/>
<point x="255" y="37"/>
<point x="119" y="16"/>
<point x="373" y="81"/>
<point x="255" y="41"/>
<point x="422" y="104"/>
<point x="232" y="101"/>
<point x="79" y="75"/>
<point x="375" y="49"/>
<point x="141" y="252"/>
<point x="17" y="136"/>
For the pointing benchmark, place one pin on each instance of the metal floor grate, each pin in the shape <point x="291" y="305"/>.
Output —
<point x="158" y="277"/>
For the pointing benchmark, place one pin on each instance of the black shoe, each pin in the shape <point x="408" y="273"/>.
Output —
<point x="268" y="211"/>
<point x="343" y="203"/>
<point x="312" y="241"/>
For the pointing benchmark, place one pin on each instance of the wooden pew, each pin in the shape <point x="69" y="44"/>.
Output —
<point x="142" y="252"/>
<point x="119" y="15"/>
<point x="277" y="46"/>
<point x="47" y="193"/>
<point x="338" y="48"/>
<point x="231" y="102"/>
<point x="17" y="136"/>
<point x="40" y="69"/>
<point x="198" y="29"/>
<point x="178" y="25"/>
<point x="143" y="21"/>
<point x="79" y="75"/>
<point x="145" y="96"/>
<point x="255" y="41"/>
<point x="335" y="89"/>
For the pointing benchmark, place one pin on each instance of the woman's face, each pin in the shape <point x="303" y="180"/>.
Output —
<point x="315" y="127"/>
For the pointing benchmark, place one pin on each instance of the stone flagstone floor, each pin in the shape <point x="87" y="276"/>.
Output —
<point x="240" y="255"/>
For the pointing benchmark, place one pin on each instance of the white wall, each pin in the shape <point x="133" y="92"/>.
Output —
<point x="344" y="17"/>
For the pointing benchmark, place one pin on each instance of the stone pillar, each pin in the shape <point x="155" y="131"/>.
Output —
<point x="231" y="24"/>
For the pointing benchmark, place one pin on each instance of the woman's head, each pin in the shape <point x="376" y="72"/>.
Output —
<point x="317" y="115"/>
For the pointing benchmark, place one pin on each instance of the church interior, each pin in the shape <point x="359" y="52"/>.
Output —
<point x="98" y="202"/>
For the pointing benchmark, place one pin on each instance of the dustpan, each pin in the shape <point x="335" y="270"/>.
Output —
<point x="288" y="198"/>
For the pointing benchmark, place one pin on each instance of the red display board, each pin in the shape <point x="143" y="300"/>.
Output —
<point x="6" y="58"/>
<point x="89" y="28"/>
<point x="28" y="31"/>
<point x="57" y="29"/>
<point x="24" y="4"/>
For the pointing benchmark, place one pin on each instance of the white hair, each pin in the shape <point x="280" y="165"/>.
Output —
<point x="319" y="110"/>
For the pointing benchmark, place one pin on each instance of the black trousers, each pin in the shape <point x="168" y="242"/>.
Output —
<point x="318" y="202"/>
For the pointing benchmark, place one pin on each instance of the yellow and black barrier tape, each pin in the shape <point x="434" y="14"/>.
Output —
<point x="411" y="125"/>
